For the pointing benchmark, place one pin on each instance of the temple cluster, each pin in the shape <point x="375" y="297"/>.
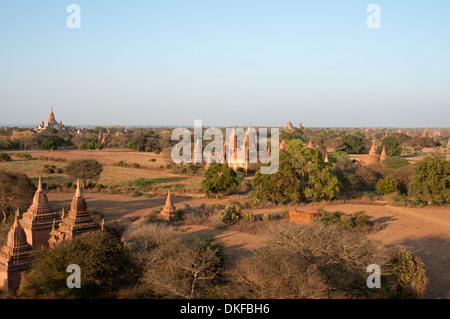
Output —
<point x="42" y="226"/>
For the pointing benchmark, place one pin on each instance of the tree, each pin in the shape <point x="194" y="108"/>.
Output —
<point x="302" y="175"/>
<point x="354" y="143"/>
<point x="431" y="180"/>
<point x="386" y="186"/>
<point x="392" y="145"/>
<point x="102" y="260"/>
<point x="16" y="191"/>
<point x="87" y="169"/>
<point x="220" y="178"/>
<point x="48" y="144"/>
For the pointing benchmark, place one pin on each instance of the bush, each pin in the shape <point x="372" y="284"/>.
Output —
<point x="431" y="180"/>
<point x="231" y="214"/>
<point x="136" y="194"/>
<point x="152" y="160"/>
<point x="101" y="257"/>
<point x="409" y="275"/>
<point x="386" y="186"/>
<point x="24" y="155"/>
<point x="98" y="216"/>
<point x="266" y="217"/>
<point x="4" y="157"/>
<point x="249" y="217"/>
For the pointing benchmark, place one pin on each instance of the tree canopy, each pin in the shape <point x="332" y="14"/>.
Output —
<point x="220" y="178"/>
<point x="84" y="169"/>
<point x="302" y="175"/>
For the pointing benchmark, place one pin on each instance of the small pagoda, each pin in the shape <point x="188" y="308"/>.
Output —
<point x="77" y="222"/>
<point x="37" y="221"/>
<point x="168" y="212"/>
<point x="373" y="157"/>
<point x="15" y="258"/>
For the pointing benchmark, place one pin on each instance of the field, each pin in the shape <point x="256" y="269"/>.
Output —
<point x="425" y="231"/>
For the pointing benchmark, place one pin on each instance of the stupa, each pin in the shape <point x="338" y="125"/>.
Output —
<point x="14" y="257"/>
<point x="38" y="219"/>
<point x="168" y="212"/>
<point x="77" y="222"/>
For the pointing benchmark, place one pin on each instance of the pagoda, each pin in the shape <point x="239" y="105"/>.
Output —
<point x="310" y="145"/>
<point x="373" y="157"/>
<point x="288" y="126"/>
<point x="14" y="258"/>
<point x="77" y="222"/>
<point x="51" y="123"/>
<point x="383" y="155"/>
<point x="168" y="212"/>
<point x="37" y="221"/>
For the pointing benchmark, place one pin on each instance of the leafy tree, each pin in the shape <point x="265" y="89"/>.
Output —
<point x="386" y="186"/>
<point x="48" y="144"/>
<point x="16" y="191"/>
<point x="354" y="143"/>
<point x="220" y="178"/>
<point x="395" y="162"/>
<point x="302" y="175"/>
<point x="392" y="145"/>
<point x="431" y="180"/>
<point x="102" y="260"/>
<point x="84" y="169"/>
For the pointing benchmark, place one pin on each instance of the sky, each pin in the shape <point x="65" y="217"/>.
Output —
<point x="226" y="62"/>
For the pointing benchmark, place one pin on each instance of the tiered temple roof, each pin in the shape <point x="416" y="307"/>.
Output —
<point x="38" y="219"/>
<point x="77" y="222"/>
<point x="14" y="257"/>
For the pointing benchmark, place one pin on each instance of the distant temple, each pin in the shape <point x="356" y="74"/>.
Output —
<point x="51" y="123"/>
<point x="373" y="157"/>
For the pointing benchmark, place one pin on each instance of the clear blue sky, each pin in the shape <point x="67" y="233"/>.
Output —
<point x="226" y="62"/>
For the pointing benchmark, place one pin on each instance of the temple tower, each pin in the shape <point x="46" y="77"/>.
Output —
<point x="37" y="221"/>
<point x="383" y="155"/>
<point x="168" y="212"/>
<point x="77" y="222"/>
<point x="14" y="257"/>
<point x="373" y="157"/>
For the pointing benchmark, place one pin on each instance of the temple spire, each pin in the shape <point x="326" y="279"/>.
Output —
<point x="78" y="192"/>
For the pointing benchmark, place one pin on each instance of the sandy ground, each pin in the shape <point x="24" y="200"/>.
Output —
<point x="425" y="231"/>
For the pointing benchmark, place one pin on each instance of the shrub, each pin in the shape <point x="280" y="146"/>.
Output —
<point x="152" y="160"/>
<point x="409" y="275"/>
<point x="249" y="217"/>
<point x="24" y="155"/>
<point x="136" y="194"/>
<point x="4" y="157"/>
<point x="156" y="151"/>
<point x="98" y="216"/>
<point x="101" y="257"/>
<point x="266" y="217"/>
<point x="231" y="214"/>
<point x="386" y="186"/>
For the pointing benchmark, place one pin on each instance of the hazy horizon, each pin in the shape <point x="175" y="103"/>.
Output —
<point x="155" y="63"/>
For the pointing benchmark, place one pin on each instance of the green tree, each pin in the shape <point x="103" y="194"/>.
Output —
<point x="84" y="169"/>
<point x="409" y="275"/>
<point x="302" y="175"/>
<point x="354" y="143"/>
<point x="219" y="179"/>
<point x="386" y="186"/>
<point x="48" y="144"/>
<point x="230" y="214"/>
<point x="392" y="145"/>
<point x="431" y="180"/>
<point x="102" y="260"/>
